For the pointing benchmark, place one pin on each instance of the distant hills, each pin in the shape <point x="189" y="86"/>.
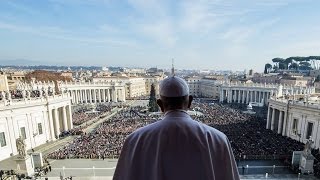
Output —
<point x="19" y="62"/>
<point x="37" y="65"/>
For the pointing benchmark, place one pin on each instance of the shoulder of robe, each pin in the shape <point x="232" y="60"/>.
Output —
<point x="142" y="131"/>
<point x="214" y="132"/>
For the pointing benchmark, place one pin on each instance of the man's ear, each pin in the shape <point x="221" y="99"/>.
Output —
<point x="160" y="104"/>
<point x="190" y="101"/>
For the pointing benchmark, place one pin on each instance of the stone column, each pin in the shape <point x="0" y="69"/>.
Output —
<point x="255" y="96"/>
<point x="227" y="96"/>
<point x="90" y="95"/>
<point x="72" y="97"/>
<point x="268" y="118"/>
<point x="221" y="95"/>
<point x="263" y="98"/>
<point x="247" y="99"/>
<point x="52" y="134"/>
<point x="81" y="96"/>
<point x="123" y="95"/>
<point x="272" y="118"/>
<point x="239" y="96"/>
<point x="243" y="96"/>
<point x="64" y="118"/>
<point x="114" y="95"/>
<point x="234" y="96"/>
<point x="56" y="122"/>
<point x="280" y="122"/>
<point x="86" y="96"/>
<point x="75" y="96"/>
<point x="104" y="95"/>
<point x="284" y="129"/>
<point x="94" y="96"/>
<point x="99" y="94"/>
<point x="69" y="117"/>
<point x="108" y="94"/>
<point x="78" y="96"/>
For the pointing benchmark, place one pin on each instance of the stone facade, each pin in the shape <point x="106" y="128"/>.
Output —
<point x="36" y="120"/>
<point x="296" y="117"/>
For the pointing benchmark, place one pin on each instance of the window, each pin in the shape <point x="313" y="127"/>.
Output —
<point x="40" y="128"/>
<point x="23" y="133"/>
<point x="2" y="139"/>
<point x="295" y="126"/>
<point x="309" y="130"/>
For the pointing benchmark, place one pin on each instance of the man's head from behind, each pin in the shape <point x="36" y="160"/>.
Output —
<point x="174" y="94"/>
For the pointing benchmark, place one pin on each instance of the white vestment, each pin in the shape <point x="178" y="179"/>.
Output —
<point x="176" y="148"/>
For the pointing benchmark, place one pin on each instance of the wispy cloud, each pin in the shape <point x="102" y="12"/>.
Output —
<point x="161" y="32"/>
<point x="197" y="16"/>
<point x="241" y="34"/>
<point x="59" y="33"/>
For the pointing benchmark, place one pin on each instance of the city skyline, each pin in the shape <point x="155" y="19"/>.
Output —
<point x="218" y="35"/>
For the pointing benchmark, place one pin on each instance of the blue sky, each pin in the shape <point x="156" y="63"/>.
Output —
<point x="199" y="34"/>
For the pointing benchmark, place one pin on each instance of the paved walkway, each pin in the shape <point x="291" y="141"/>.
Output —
<point x="104" y="169"/>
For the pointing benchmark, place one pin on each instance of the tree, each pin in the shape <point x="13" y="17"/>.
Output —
<point x="317" y="79"/>
<point x="267" y="68"/>
<point x="282" y="65"/>
<point x="153" y="107"/>
<point x="294" y="66"/>
<point x="277" y="61"/>
<point x="288" y="62"/>
<point x="305" y="65"/>
<point x="315" y="62"/>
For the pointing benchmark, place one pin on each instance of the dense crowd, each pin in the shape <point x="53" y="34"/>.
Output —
<point x="247" y="134"/>
<point x="86" y="114"/>
<point x="316" y="165"/>
<point x="106" y="140"/>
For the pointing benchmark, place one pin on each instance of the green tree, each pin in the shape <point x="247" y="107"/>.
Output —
<point x="317" y="79"/>
<point x="294" y="66"/>
<point x="267" y="68"/>
<point x="277" y="61"/>
<point x="315" y="62"/>
<point x="282" y="65"/>
<point x="153" y="107"/>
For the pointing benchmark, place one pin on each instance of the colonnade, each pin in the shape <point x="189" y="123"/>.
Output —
<point x="258" y="93"/>
<point x="277" y="120"/>
<point x="60" y="119"/>
<point x="244" y="95"/>
<point x="297" y="119"/>
<point x="97" y="95"/>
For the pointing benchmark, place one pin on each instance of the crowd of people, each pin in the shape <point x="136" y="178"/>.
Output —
<point x="85" y="114"/>
<point x="106" y="140"/>
<point x="247" y="134"/>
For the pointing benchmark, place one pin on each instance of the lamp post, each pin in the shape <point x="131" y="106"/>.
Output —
<point x="274" y="166"/>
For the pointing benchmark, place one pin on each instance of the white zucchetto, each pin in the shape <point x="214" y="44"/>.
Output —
<point x="173" y="86"/>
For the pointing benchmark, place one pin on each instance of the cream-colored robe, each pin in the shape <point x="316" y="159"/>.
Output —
<point x="176" y="148"/>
